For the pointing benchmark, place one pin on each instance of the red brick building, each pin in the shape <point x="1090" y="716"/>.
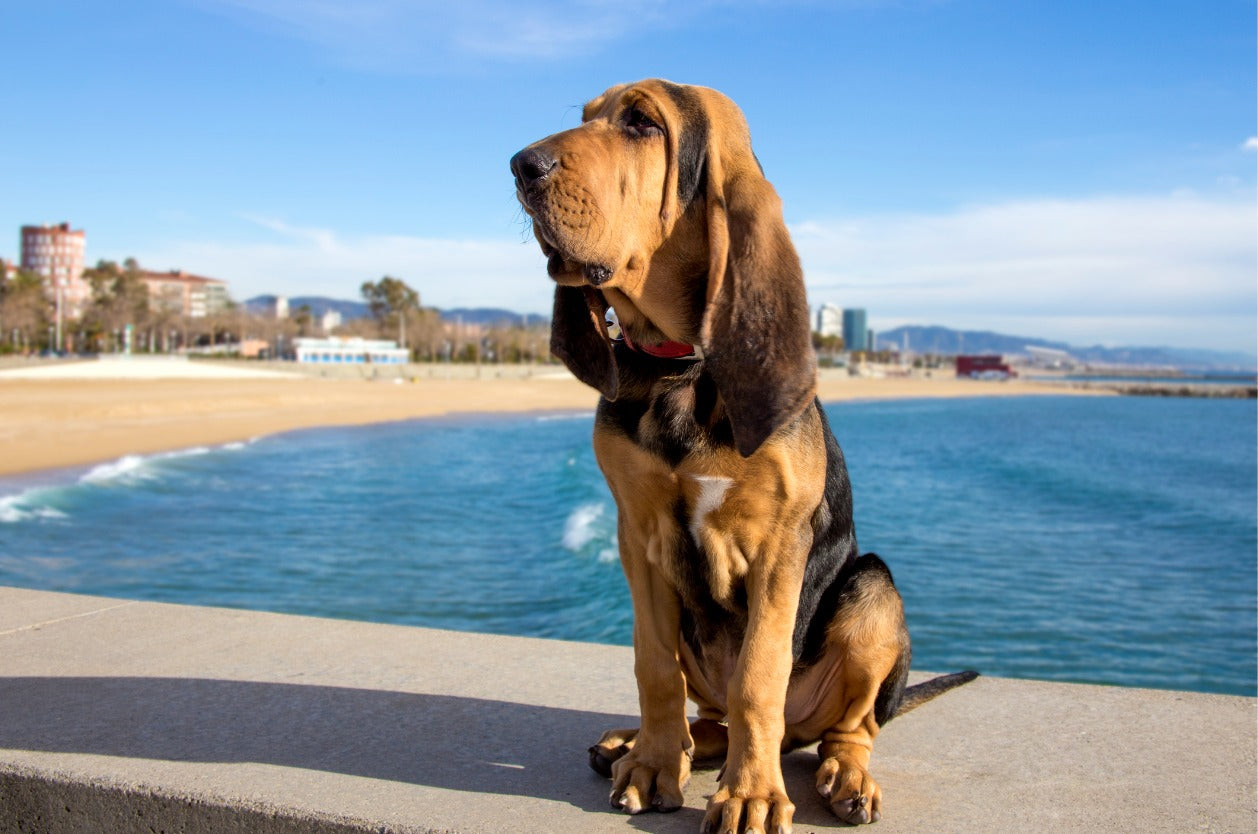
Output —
<point x="57" y="253"/>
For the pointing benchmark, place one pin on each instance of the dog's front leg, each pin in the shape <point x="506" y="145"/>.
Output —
<point x="653" y="773"/>
<point x="752" y="795"/>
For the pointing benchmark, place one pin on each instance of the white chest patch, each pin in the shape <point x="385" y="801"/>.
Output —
<point x="712" y="489"/>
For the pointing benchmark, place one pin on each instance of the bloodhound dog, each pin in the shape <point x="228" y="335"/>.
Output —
<point x="680" y="297"/>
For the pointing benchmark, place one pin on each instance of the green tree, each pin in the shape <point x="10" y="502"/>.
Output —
<point x="119" y="298"/>
<point x="393" y="305"/>
<point x="828" y="347"/>
<point x="304" y="320"/>
<point x="25" y="311"/>
<point x="426" y="333"/>
<point x="520" y="343"/>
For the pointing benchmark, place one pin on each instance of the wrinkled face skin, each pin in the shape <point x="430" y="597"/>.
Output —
<point x="604" y="197"/>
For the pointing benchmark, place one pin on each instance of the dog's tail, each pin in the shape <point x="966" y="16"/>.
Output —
<point x="918" y="694"/>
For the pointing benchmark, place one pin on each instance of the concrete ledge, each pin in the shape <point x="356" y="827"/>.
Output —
<point x="121" y="716"/>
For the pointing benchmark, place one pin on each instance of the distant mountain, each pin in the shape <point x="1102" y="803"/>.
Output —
<point x="945" y="341"/>
<point x="948" y="342"/>
<point x="921" y="339"/>
<point x="487" y="316"/>
<point x="318" y="306"/>
<point x="490" y="316"/>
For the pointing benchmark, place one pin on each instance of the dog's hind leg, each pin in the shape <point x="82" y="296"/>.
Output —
<point x="867" y="642"/>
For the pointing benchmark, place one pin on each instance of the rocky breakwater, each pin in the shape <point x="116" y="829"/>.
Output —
<point x="1170" y="388"/>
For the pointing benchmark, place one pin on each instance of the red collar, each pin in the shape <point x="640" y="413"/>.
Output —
<point x="665" y="350"/>
<point x="661" y="350"/>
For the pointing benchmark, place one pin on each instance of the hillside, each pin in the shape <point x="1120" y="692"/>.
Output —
<point x="318" y="305"/>
<point x="349" y="310"/>
<point x="943" y="340"/>
<point x="920" y="338"/>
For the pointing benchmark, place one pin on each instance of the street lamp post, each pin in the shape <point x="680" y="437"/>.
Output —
<point x="59" y="288"/>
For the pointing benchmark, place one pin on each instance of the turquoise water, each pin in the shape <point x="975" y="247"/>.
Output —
<point x="1106" y="540"/>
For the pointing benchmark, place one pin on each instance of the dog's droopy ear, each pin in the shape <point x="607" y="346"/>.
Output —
<point x="578" y="336"/>
<point x="756" y="336"/>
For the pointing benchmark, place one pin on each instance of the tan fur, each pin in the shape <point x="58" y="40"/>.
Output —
<point x="719" y="272"/>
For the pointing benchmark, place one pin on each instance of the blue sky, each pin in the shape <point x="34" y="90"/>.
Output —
<point x="1075" y="170"/>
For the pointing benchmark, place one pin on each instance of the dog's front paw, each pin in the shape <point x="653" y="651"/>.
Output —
<point x="646" y="780"/>
<point x="854" y="796"/>
<point x="732" y="811"/>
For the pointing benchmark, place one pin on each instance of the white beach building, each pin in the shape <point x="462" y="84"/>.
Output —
<point x="354" y="351"/>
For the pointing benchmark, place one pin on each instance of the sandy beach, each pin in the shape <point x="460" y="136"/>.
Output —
<point x="72" y="414"/>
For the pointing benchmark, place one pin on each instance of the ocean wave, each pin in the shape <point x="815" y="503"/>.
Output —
<point x="47" y="503"/>
<point x="136" y="468"/>
<point x="567" y="415"/>
<point x="28" y="506"/>
<point x="129" y="466"/>
<point x="237" y="445"/>
<point x="582" y="526"/>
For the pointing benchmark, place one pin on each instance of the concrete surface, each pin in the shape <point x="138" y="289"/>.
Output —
<point x="123" y="716"/>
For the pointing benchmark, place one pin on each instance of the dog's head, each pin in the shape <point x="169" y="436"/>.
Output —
<point x="657" y="206"/>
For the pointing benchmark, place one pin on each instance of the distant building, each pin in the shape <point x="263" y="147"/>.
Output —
<point x="855" y="334"/>
<point x="984" y="367"/>
<point x="57" y="253"/>
<point x="337" y="351"/>
<point x="8" y="270"/>
<point x="1042" y="357"/>
<point x="255" y="349"/>
<point x="330" y="320"/>
<point x="194" y="296"/>
<point x="829" y="320"/>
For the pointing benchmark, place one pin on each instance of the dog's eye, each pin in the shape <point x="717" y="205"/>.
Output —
<point x="640" y="124"/>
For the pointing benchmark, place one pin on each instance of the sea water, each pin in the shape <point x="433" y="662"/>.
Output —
<point x="1093" y="539"/>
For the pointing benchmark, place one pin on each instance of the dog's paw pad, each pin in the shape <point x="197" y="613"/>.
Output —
<point x="602" y="758"/>
<point x="855" y="810"/>
<point x="853" y="795"/>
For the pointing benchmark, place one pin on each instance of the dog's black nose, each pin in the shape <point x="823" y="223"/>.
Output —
<point x="531" y="165"/>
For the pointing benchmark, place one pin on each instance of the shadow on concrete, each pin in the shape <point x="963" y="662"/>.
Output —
<point x="444" y="741"/>
<point x="449" y="742"/>
<point x="454" y="743"/>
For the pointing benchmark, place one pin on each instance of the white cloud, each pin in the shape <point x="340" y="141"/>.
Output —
<point x="397" y="35"/>
<point x="1251" y="144"/>
<point x="425" y="35"/>
<point x="314" y="261"/>
<point x="1176" y="270"/>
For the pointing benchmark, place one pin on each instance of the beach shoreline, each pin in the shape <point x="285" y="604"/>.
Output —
<point x="88" y="413"/>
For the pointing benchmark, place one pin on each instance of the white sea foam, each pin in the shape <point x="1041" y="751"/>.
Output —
<point x="134" y="468"/>
<point x="28" y="505"/>
<point x="10" y="510"/>
<point x="581" y="528"/>
<point x="127" y="467"/>
<point x="40" y="502"/>
<point x="566" y="415"/>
